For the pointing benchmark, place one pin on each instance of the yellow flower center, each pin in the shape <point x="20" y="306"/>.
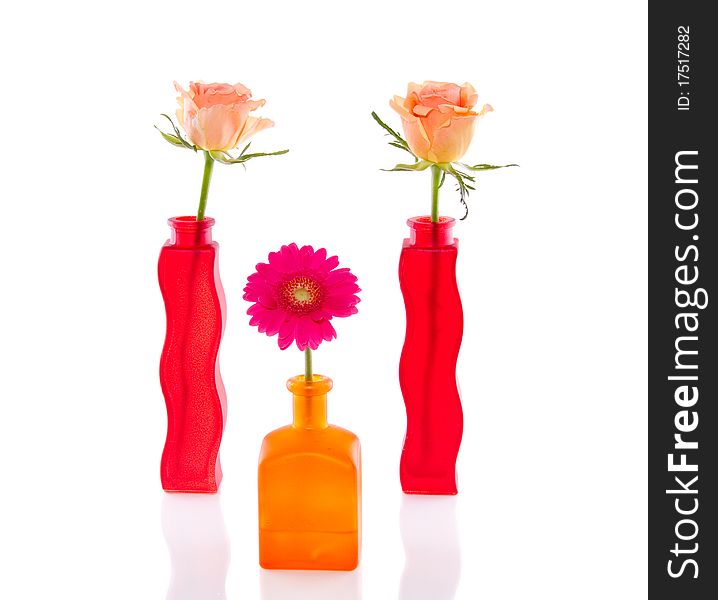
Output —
<point x="302" y="294"/>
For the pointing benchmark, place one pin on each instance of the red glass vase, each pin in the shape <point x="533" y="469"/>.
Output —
<point x="427" y="370"/>
<point x="189" y="368"/>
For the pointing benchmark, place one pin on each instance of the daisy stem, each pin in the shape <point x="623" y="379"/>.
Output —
<point x="435" y="180"/>
<point x="206" y="178"/>
<point x="307" y="364"/>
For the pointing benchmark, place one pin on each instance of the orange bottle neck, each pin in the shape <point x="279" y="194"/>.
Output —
<point x="310" y="401"/>
<point x="310" y="412"/>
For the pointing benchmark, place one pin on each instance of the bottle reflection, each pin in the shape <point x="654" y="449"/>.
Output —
<point x="430" y="534"/>
<point x="198" y="546"/>
<point x="310" y="585"/>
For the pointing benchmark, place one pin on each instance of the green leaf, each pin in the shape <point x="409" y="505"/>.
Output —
<point x="462" y="186"/>
<point x="177" y="135"/>
<point x="227" y="159"/>
<point x="388" y="129"/>
<point x="220" y="156"/>
<point x="254" y="155"/>
<point x="485" y="167"/>
<point x="398" y="142"/>
<point x="174" y="140"/>
<point x="466" y="175"/>
<point x="418" y="166"/>
<point x="443" y="177"/>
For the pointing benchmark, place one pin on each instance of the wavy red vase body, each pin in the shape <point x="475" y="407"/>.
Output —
<point x="427" y="370"/>
<point x="189" y="367"/>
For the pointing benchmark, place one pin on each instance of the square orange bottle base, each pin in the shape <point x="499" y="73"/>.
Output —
<point x="309" y="550"/>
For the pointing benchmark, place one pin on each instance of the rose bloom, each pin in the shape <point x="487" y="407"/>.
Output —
<point x="216" y="115"/>
<point x="439" y="119"/>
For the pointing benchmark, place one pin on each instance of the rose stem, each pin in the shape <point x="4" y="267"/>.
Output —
<point x="435" y="179"/>
<point x="307" y="364"/>
<point x="206" y="178"/>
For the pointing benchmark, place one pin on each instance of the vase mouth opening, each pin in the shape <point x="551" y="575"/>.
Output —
<point x="425" y="223"/>
<point x="425" y="233"/>
<point x="318" y="386"/>
<point x="190" y="223"/>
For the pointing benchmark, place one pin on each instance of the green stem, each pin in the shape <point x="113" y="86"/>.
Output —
<point x="206" y="178"/>
<point x="308" y="364"/>
<point x="435" y="180"/>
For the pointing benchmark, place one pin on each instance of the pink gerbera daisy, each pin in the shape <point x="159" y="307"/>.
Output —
<point x="297" y="293"/>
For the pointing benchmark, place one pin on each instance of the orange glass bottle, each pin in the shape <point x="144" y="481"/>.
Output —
<point x="310" y="488"/>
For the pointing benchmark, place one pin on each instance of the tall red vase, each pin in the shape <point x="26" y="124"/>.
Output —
<point x="189" y="367"/>
<point x="427" y="370"/>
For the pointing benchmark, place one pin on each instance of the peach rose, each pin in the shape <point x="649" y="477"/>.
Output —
<point x="438" y="119"/>
<point x="216" y="115"/>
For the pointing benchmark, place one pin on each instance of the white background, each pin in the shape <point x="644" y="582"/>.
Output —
<point x="552" y="274"/>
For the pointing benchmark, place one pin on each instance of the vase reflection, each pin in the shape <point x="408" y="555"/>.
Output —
<point x="310" y="585"/>
<point x="430" y="535"/>
<point x="198" y="546"/>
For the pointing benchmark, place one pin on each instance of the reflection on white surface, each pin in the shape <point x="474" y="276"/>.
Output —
<point x="198" y="545"/>
<point x="310" y="585"/>
<point x="430" y="534"/>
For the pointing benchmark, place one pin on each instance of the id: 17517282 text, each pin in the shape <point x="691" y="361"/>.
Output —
<point x="683" y="54"/>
